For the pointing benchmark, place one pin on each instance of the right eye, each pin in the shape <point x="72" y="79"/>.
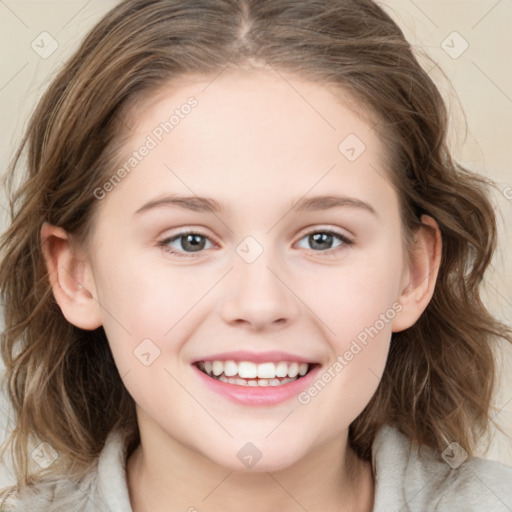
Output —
<point x="185" y="244"/>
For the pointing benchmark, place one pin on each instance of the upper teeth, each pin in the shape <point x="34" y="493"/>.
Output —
<point x="250" y="370"/>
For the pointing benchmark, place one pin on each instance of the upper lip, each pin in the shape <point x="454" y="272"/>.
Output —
<point x="255" y="357"/>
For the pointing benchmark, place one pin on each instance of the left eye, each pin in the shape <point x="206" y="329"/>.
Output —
<point x="321" y="239"/>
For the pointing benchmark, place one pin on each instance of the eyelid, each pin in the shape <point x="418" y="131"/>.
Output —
<point x="316" y="228"/>
<point x="179" y="232"/>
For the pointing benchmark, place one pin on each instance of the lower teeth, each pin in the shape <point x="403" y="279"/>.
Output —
<point x="254" y="382"/>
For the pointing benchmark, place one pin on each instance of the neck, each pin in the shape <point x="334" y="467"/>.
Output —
<point x="163" y="475"/>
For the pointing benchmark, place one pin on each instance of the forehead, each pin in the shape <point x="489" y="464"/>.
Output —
<point x="260" y="98"/>
<point x="249" y="132"/>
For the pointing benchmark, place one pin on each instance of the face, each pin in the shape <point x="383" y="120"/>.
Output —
<point x="261" y="271"/>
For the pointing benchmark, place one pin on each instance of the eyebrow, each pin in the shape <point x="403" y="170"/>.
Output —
<point x="209" y="205"/>
<point x="193" y="203"/>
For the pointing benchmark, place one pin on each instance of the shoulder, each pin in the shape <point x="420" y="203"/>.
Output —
<point x="57" y="493"/>
<point x="53" y="494"/>
<point x="8" y="499"/>
<point x="422" y="479"/>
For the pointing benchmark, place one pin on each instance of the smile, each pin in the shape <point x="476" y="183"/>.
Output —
<point x="248" y="373"/>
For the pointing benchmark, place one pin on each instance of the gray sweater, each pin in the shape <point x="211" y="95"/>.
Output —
<point x="406" y="480"/>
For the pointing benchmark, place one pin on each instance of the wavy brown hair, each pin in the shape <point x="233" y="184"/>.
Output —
<point x="62" y="381"/>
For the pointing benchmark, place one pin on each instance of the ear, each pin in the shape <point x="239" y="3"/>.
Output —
<point x="420" y="274"/>
<point x="71" y="279"/>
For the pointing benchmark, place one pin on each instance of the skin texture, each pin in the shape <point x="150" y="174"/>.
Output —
<point x="256" y="146"/>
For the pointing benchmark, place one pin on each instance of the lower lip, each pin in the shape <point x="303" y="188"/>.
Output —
<point x="268" y="395"/>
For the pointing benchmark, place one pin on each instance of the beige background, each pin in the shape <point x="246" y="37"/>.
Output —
<point x="471" y="41"/>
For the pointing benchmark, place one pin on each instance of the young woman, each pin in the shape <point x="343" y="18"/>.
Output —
<point x="243" y="272"/>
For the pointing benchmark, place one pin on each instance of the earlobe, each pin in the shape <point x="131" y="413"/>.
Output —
<point x="421" y="274"/>
<point x="70" y="278"/>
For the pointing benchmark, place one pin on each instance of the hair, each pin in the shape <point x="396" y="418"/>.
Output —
<point x="62" y="381"/>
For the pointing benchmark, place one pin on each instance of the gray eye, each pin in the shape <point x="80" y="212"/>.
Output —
<point x="188" y="242"/>
<point x="323" y="240"/>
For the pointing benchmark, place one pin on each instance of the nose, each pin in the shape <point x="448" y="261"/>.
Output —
<point x="257" y="296"/>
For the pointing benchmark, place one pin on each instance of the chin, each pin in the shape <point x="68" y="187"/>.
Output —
<point x="252" y="457"/>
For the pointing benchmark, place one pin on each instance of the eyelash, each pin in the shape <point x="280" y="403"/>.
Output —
<point x="329" y="252"/>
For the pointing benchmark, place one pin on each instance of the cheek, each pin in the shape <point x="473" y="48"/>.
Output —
<point x="362" y="326"/>
<point x="140" y="304"/>
<point x="356" y="296"/>
<point x="357" y="307"/>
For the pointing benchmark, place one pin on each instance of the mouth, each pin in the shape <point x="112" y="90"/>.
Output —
<point x="251" y="374"/>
